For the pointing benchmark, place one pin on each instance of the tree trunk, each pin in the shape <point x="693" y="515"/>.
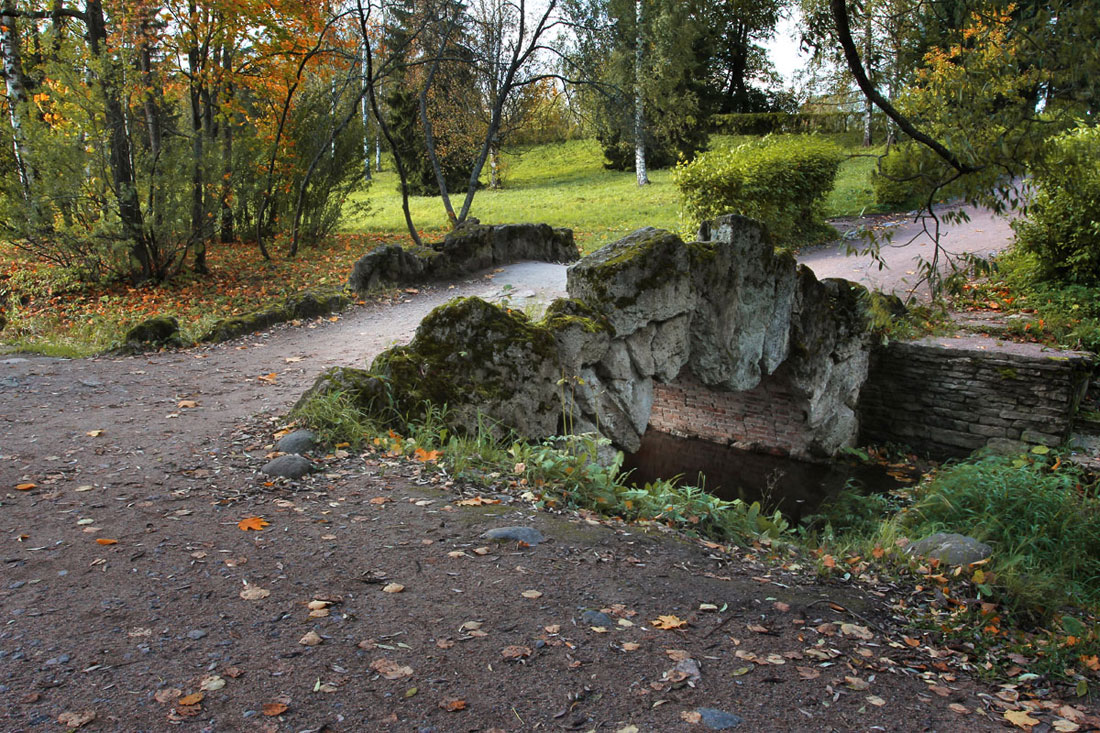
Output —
<point x="639" y="105"/>
<point x="868" y="108"/>
<point x="494" y="165"/>
<point x="118" y="143"/>
<point x="17" y="97"/>
<point x="227" y="227"/>
<point x="366" y="118"/>
<point x="196" y="91"/>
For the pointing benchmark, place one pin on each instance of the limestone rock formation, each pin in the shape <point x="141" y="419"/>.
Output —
<point x="469" y="248"/>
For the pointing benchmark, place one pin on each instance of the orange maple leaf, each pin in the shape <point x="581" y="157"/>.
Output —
<point x="669" y="622"/>
<point x="256" y="524"/>
<point x="426" y="456"/>
<point x="105" y="541"/>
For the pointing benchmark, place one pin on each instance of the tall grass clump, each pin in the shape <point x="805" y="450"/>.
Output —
<point x="1041" y="519"/>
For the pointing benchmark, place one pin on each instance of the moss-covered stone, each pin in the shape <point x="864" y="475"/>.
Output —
<point x="368" y="392"/>
<point x="307" y="304"/>
<point x="477" y="358"/>
<point x="157" y="332"/>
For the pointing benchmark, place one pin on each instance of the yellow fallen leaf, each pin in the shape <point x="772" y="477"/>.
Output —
<point x="95" y="433"/>
<point x="477" y="501"/>
<point x="669" y="622"/>
<point x="186" y="404"/>
<point x="25" y="487"/>
<point x="1021" y="719"/>
<point x="193" y="699"/>
<point x="393" y="588"/>
<point x="426" y="456"/>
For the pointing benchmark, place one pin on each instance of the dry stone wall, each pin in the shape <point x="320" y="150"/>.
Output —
<point x="949" y="398"/>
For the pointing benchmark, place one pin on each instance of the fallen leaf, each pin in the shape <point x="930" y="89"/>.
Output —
<point x="254" y="593"/>
<point x="481" y="550"/>
<point x="187" y="404"/>
<point x="193" y="699"/>
<point x="426" y="456"/>
<point x="105" y="541"/>
<point x="272" y="709"/>
<point x="1021" y="719"/>
<point x="875" y="700"/>
<point x="960" y="709"/>
<point x="808" y="673"/>
<point x="531" y="594"/>
<point x="515" y="652"/>
<point x="255" y="524"/>
<point x="631" y="646"/>
<point x="380" y="500"/>
<point x="211" y="683"/>
<point x="390" y="669"/>
<point x="233" y="672"/>
<point x="444" y="643"/>
<point x="477" y="501"/>
<point x="312" y="638"/>
<point x="25" y="487"/>
<point x="94" y="433"/>
<point x="855" y="683"/>
<point x="268" y="378"/>
<point x="167" y="695"/>
<point x="859" y="632"/>
<point x="669" y="622"/>
<point x="690" y="716"/>
<point x="76" y="720"/>
<point x="452" y="704"/>
<point x="1065" y="726"/>
<point x="393" y="588"/>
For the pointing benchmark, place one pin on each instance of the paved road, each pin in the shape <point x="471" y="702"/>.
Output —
<point x="985" y="234"/>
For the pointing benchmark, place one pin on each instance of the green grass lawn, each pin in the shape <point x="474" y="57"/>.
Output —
<point x="565" y="184"/>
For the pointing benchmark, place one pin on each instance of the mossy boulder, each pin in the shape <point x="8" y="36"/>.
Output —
<point x="368" y="392"/>
<point x="478" y="360"/>
<point x="153" y="333"/>
<point x="307" y="304"/>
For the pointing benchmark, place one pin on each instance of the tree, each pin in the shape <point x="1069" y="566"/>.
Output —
<point x="1004" y="78"/>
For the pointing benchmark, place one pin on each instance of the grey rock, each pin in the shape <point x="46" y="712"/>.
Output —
<point x="597" y="618"/>
<point x="288" y="466"/>
<point x="196" y="634"/>
<point x="469" y="248"/>
<point x="719" y="719"/>
<point x="299" y="441"/>
<point x="60" y="659"/>
<point x="951" y="548"/>
<point x="527" y="535"/>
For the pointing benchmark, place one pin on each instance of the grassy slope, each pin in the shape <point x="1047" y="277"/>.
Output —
<point x="565" y="184"/>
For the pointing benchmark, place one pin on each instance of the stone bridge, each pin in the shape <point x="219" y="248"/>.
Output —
<point x="645" y="314"/>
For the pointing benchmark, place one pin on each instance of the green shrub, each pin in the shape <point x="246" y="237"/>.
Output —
<point x="780" y="181"/>
<point x="1063" y="226"/>
<point x="1043" y="525"/>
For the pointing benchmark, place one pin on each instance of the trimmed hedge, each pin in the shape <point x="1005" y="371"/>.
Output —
<point x="782" y="182"/>
<point x="765" y="123"/>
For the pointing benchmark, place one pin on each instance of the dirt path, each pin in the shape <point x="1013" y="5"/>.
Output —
<point x="128" y="588"/>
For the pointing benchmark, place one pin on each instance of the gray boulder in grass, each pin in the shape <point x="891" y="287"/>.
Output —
<point x="950" y="548"/>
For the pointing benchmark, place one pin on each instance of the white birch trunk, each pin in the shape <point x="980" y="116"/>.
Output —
<point x="366" y="118"/>
<point x="639" y="107"/>
<point x="17" y="97"/>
